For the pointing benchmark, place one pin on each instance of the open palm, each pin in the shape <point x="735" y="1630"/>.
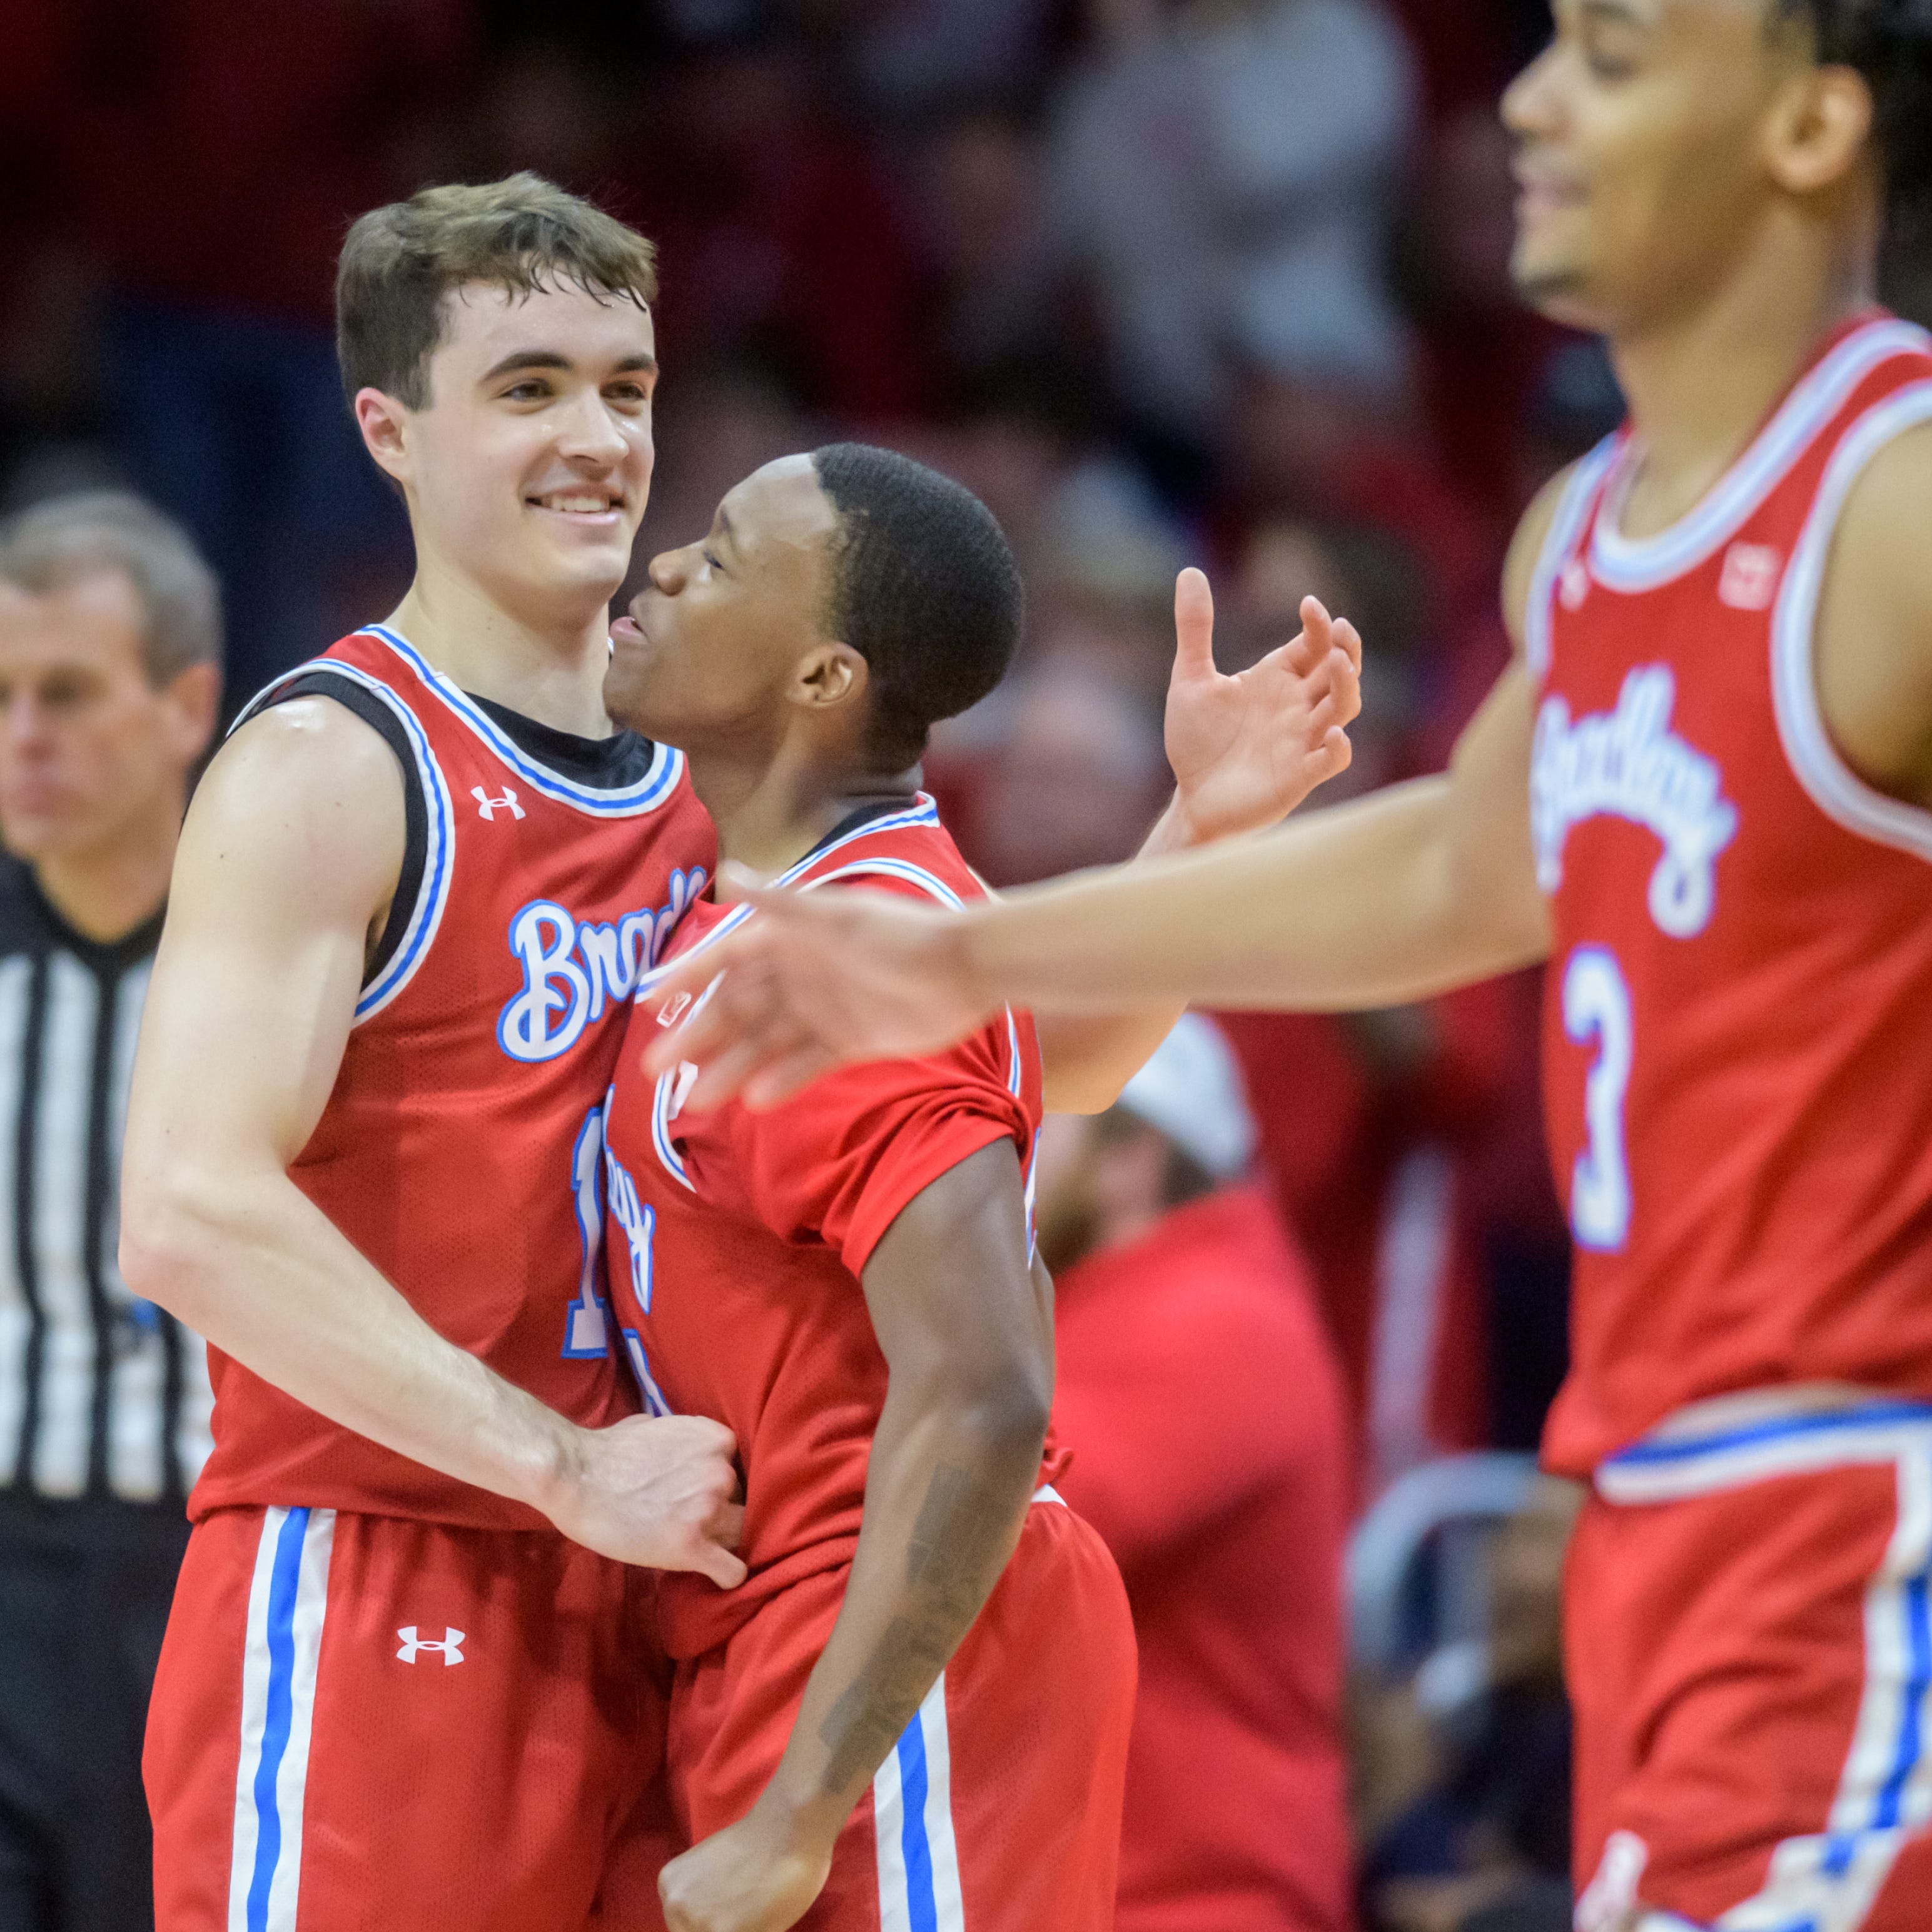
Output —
<point x="1247" y="750"/>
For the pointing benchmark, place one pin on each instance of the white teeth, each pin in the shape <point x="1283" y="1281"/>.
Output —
<point x="576" y="505"/>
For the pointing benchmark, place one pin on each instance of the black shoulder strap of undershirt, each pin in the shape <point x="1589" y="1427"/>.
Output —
<point x="322" y="682"/>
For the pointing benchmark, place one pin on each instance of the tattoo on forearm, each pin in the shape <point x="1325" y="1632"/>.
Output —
<point x="959" y="1546"/>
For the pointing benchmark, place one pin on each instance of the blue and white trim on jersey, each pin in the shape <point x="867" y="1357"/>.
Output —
<point x="286" y="1602"/>
<point x="1829" y="1881"/>
<point x="1634" y="564"/>
<point x="1566" y="529"/>
<point x="646" y="794"/>
<point x="912" y="1820"/>
<point x="438" y="857"/>
<point x="1832" y="784"/>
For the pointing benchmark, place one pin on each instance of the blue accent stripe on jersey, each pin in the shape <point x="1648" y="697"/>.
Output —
<point x="646" y="794"/>
<point x="426" y="914"/>
<point x="922" y="1905"/>
<point x="1911" y="1740"/>
<point x="925" y="813"/>
<point x="282" y="1583"/>
<point x="1871" y="1415"/>
<point x="892" y="868"/>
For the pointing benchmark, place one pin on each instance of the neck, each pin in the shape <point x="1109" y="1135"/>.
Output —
<point x="551" y="671"/>
<point x="772" y="804"/>
<point x="1700" y="383"/>
<point x="105" y="895"/>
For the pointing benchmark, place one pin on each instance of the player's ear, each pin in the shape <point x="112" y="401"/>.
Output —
<point x="833" y="674"/>
<point x="1820" y="129"/>
<point x="383" y="422"/>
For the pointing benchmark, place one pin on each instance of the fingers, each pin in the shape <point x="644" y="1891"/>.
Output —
<point x="1193" y="626"/>
<point x="1350" y="640"/>
<point x="725" y="1570"/>
<point x="724" y="1073"/>
<point x="728" y="1525"/>
<point x="789" y="1074"/>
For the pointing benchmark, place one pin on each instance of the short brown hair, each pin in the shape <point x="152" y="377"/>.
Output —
<point x="523" y="234"/>
<point x="54" y="543"/>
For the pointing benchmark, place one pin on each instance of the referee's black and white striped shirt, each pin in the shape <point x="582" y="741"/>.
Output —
<point x="100" y="1395"/>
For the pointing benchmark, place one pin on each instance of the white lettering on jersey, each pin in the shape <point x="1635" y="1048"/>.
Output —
<point x="573" y="970"/>
<point x="1628" y="763"/>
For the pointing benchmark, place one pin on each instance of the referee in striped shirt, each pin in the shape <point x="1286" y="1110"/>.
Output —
<point x="110" y="681"/>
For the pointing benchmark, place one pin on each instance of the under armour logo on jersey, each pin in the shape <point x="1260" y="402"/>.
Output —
<point x="1628" y="763"/>
<point x="1573" y="585"/>
<point x="488" y="807"/>
<point x="1749" y="579"/>
<point x="450" y="1643"/>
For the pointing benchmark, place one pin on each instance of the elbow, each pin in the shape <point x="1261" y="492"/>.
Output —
<point x="168" y="1239"/>
<point x="1006" y="1412"/>
<point x="1083" y="1089"/>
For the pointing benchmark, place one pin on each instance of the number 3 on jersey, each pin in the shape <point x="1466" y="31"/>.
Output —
<point x="1596" y="1007"/>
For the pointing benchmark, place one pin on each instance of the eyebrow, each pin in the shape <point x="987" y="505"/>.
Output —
<point x="548" y="359"/>
<point x="725" y="529"/>
<point x="1618" y="13"/>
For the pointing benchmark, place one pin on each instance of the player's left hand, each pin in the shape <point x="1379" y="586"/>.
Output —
<point x="746" y="1878"/>
<point x="1247" y="750"/>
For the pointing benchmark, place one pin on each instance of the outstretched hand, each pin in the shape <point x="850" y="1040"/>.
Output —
<point x="816" y="979"/>
<point x="1247" y="749"/>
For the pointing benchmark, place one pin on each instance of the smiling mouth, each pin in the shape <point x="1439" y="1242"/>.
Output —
<point x="589" y="505"/>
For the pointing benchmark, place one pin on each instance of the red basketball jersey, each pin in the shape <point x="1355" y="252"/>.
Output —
<point x="736" y="1240"/>
<point x="460" y="1149"/>
<point x="1737" y="1020"/>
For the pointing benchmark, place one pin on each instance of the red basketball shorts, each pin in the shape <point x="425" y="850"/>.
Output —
<point x="1748" y="1622"/>
<point x="1000" y="1809"/>
<point x="365" y="1722"/>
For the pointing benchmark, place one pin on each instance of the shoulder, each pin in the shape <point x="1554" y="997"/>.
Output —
<point x="306" y="791"/>
<point x="1872" y="639"/>
<point x="1525" y="550"/>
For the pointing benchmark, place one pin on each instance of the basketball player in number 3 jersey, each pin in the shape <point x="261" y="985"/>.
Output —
<point x="1702" y="794"/>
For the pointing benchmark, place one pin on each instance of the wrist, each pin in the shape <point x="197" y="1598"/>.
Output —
<point x="804" y="1822"/>
<point x="555" y="1467"/>
<point x="1174" y="831"/>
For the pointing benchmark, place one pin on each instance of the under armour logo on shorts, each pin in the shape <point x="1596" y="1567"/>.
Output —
<point x="488" y="807"/>
<point x="450" y="1643"/>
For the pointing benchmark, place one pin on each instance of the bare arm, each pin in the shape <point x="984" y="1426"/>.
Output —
<point x="1874" y="635"/>
<point x="1245" y="751"/>
<point x="293" y="844"/>
<point x="967" y="1334"/>
<point x="1416" y="890"/>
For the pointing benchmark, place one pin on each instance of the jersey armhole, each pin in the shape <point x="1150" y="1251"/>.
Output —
<point x="1816" y="761"/>
<point x="322" y="682"/>
<point x="1566" y="527"/>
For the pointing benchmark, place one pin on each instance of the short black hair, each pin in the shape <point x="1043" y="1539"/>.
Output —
<point x="1889" y="43"/>
<point x="924" y="587"/>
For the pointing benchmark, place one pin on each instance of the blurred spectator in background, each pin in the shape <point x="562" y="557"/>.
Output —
<point x="1201" y="1402"/>
<point x="1221" y="173"/>
<point x="1479" y="1839"/>
<point x="1077" y="776"/>
<point x="109" y="681"/>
